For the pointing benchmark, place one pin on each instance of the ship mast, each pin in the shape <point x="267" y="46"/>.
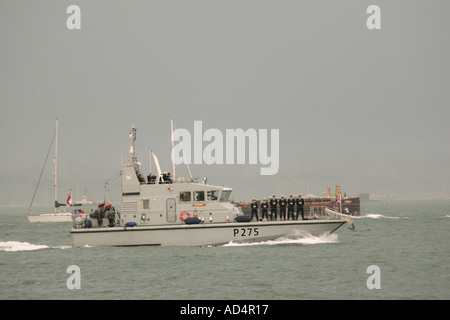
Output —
<point x="132" y="153"/>
<point x="172" y="125"/>
<point x="171" y="136"/>
<point x="55" y="161"/>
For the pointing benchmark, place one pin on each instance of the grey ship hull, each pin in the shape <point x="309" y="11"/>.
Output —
<point x="199" y="234"/>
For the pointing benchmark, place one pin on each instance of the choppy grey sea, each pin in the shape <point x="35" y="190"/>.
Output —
<point x="406" y="241"/>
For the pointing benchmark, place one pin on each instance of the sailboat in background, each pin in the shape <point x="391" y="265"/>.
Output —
<point x="56" y="216"/>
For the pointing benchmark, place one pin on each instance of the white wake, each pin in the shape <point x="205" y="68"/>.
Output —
<point x="13" y="246"/>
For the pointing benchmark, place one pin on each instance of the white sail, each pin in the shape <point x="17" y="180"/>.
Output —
<point x="158" y="168"/>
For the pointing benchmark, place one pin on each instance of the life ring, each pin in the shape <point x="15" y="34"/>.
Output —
<point x="184" y="213"/>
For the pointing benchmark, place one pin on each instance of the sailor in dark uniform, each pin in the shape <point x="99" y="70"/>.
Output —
<point x="151" y="179"/>
<point x="264" y="207"/>
<point x="300" y="203"/>
<point x="254" y="207"/>
<point x="273" y="208"/>
<point x="283" y="204"/>
<point x="291" y="205"/>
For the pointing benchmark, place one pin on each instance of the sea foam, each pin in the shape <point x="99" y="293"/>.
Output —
<point x="293" y="238"/>
<point x="13" y="246"/>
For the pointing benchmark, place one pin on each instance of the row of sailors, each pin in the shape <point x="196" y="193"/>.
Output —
<point x="283" y="203"/>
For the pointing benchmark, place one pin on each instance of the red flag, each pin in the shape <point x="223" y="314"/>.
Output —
<point x="69" y="199"/>
<point x="338" y="200"/>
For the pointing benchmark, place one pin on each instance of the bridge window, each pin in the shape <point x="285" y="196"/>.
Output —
<point x="199" y="195"/>
<point x="212" y="195"/>
<point x="185" y="196"/>
<point x="225" y="195"/>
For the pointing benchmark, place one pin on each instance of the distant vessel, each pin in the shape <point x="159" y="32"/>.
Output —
<point x="56" y="216"/>
<point x="175" y="211"/>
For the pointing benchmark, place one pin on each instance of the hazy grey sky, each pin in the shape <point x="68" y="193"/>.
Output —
<point x="364" y="109"/>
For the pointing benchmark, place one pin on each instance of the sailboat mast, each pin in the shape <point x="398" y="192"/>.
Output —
<point x="55" y="161"/>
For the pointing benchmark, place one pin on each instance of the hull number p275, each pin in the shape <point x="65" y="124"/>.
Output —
<point x="245" y="232"/>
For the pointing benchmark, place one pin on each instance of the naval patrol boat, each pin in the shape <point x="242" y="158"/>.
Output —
<point x="180" y="212"/>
